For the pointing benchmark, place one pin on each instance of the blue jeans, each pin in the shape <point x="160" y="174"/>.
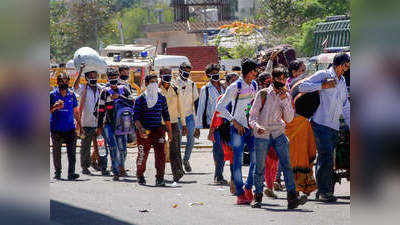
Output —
<point x="237" y="143"/>
<point x="218" y="154"/>
<point x="326" y="139"/>
<point x="189" y="137"/>
<point x="281" y="146"/>
<point x="117" y="148"/>
<point x="279" y="172"/>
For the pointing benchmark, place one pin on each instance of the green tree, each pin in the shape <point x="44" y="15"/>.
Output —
<point x="293" y="21"/>
<point x="75" y="25"/>
<point x="132" y="20"/>
<point x="303" y="41"/>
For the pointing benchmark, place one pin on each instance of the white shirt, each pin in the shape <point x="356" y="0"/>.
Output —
<point x="88" y="119"/>
<point x="188" y="95"/>
<point x="270" y="117"/>
<point x="246" y="95"/>
<point x="333" y="101"/>
<point x="209" y="109"/>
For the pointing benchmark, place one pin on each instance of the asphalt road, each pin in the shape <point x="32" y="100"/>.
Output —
<point x="98" y="200"/>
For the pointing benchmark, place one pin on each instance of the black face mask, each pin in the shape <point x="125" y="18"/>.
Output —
<point x="214" y="77"/>
<point x="124" y="77"/>
<point x="184" y="74"/>
<point x="166" y="78"/>
<point x="113" y="81"/>
<point x="63" y="86"/>
<point x="278" y="85"/>
<point x="92" y="82"/>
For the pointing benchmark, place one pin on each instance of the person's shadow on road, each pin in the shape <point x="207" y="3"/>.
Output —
<point x="65" y="214"/>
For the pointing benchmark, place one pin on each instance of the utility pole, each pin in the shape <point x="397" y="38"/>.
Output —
<point x="121" y="33"/>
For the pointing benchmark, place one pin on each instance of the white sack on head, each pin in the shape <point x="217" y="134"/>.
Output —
<point x="92" y="60"/>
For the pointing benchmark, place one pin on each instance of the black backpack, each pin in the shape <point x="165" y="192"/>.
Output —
<point x="305" y="103"/>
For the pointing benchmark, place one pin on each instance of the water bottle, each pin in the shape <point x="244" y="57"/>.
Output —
<point x="102" y="146"/>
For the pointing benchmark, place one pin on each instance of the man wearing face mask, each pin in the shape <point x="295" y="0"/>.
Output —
<point x="209" y="94"/>
<point x="63" y="107"/>
<point x="270" y="109"/>
<point x="106" y="123"/>
<point x="190" y="99"/>
<point x="124" y="78"/>
<point x="325" y="123"/>
<point x="150" y="110"/>
<point x="240" y="94"/>
<point x="89" y="94"/>
<point x="175" y="109"/>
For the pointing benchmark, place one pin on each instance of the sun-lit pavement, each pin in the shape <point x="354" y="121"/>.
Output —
<point x="99" y="200"/>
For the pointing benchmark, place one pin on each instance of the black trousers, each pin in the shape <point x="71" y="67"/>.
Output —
<point x="175" y="151"/>
<point x="69" y="138"/>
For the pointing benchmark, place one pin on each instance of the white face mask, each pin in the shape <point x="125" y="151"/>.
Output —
<point x="151" y="94"/>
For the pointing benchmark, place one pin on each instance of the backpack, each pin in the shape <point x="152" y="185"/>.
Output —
<point x="305" y="103"/>
<point x="204" y="118"/>
<point x="124" y="122"/>
<point x="263" y="95"/>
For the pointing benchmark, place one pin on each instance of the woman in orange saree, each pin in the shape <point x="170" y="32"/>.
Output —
<point x="302" y="145"/>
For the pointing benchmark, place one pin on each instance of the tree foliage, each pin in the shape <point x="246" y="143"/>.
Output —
<point x="89" y="22"/>
<point x="294" y="20"/>
<point x="75" y="25"/>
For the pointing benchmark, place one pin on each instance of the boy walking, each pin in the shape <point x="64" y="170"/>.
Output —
<point x="269" y="130"/>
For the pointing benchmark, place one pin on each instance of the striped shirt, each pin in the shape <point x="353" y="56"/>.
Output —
<point x="150" y="118"/>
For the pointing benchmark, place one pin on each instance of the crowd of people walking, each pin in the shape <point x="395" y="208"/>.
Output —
<point x="255" y="108"/>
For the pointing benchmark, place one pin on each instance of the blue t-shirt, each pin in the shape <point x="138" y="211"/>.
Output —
<point x="62" y="120"/>
<point x="150" y="118"/>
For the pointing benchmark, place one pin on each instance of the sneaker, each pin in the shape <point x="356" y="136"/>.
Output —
<point x="115" y="177"/>
<point x="73" y="176"/>
<point x="232" y="187"/>
<point x="327" y="197"/>
<point x="257" y="201"/>
<point x="270" y="193"/>
<point x="187" y="167"/>
<point x="95" y="166"/>
<point x="57" y="176"/>
<point x="105" y="173"/>
<point x="242" y="200"/>
<point x="294" y="201"/>
<point x="178" y="177"/>
<point x="249" y="194"/>
<point x="86" y="172"/>
<point x="220" y="181"/>
<point x="278" y="186"/>
<point x="160" y="183"/>
<point x="141" y="180"/>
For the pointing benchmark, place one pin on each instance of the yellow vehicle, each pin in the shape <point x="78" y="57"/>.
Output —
<point x="54" y="72"/>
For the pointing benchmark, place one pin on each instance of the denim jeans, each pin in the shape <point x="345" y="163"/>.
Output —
<point x="326" y="139"/>
<point x="189" y="137"/>
<point x="237" y="143"/>
<point x="279" y="172"/>
<point x="117" y="148"/>
<point x="281" y="146"/>
<point x="218" y="155"/>
<point x="104" y="159"/>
